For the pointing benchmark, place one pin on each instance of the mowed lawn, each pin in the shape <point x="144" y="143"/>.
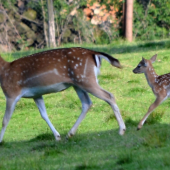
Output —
<point x="29" y="144"/>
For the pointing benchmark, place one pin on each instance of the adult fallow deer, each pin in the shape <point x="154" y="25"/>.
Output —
<point x="54" y="71"/>
<point x="160" y="84"/>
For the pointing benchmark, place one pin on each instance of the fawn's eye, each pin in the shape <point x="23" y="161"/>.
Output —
<point x="139" y="66"/>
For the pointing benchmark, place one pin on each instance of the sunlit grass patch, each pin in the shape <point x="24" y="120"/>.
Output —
<point x="134" y="81"/>
<point x="109" y="117"/>
<point x="137" y="90"/>
<point x="109" y="76"/>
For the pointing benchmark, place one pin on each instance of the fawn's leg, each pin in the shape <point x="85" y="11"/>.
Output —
<point x="157" y="102"/>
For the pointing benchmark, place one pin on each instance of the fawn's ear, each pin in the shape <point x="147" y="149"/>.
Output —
<point x="153" y="58"/>
<point x="144" y="62"/>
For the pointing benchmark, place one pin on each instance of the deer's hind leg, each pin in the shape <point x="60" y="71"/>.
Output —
<point x="86" y="104"/>
<point x="97" y="91"/>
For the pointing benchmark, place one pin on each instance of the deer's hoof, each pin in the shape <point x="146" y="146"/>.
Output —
<point x="122" y="131"/>
<point x="58" y="138"/>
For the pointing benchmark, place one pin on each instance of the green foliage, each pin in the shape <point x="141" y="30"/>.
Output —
<point x="151" y="21"/>
<point x="8" y="3"/>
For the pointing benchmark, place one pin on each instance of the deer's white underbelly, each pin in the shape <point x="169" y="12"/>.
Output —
<point x="38" y="91"/>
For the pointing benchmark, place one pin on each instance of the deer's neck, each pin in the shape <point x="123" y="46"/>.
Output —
<point x="151" y="76"/>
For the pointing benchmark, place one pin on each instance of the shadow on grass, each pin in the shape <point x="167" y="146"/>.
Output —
<point x="97" y="150"/>
<point x="45" y="136"/>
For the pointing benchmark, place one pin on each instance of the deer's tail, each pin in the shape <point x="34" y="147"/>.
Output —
<point x="113" y="61"/>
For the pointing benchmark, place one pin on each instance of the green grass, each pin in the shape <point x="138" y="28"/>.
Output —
<point x="29" y="143"/>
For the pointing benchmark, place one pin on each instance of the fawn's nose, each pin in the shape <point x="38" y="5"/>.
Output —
<point x="134" y="71"/>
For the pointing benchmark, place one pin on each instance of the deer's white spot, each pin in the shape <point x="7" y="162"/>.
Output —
<point x="56" y="71"/>
<point x="19" y="82"/>
<point x="58" y="59"/>
<point x="64" y="66"/>
<point x="69" y="52"/>
<point x="6" y="74"/>
<point x="82" y="76"/>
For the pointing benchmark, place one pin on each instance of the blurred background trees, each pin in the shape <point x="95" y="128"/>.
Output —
<point x="24" y="24"/>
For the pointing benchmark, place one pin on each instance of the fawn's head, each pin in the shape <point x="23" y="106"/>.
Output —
<point x="144" y="64"/>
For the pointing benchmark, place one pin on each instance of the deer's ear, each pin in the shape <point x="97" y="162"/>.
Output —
<point x="144" y="62"/>
<point x="153" y="58"/>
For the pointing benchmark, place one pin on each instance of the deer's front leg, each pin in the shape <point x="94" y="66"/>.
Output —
<point x="10" y="106"/>
<point x="157" y="102"/>
<point x="41" y="106"/>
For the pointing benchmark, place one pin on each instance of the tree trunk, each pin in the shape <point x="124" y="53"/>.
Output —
<point x="51" y="24"/>
<point x="128" y="15"/>
<point x="44" y="24"/>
